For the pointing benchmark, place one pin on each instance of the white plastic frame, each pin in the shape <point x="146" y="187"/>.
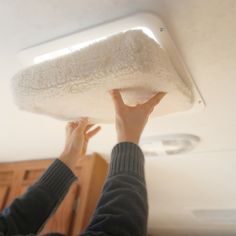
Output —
<point x="139" y="20"/>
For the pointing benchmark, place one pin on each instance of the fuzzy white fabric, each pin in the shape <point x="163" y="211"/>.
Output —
<point x="76" y="85"/>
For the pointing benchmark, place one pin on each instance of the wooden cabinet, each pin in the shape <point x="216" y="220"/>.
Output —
<point x="74" y="213"/>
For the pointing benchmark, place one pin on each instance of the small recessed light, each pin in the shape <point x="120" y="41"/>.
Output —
<point x="169" y="144"/>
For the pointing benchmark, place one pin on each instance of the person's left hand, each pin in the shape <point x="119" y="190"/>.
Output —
<point x="77" y="138"/>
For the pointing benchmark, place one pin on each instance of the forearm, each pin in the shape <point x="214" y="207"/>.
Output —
<point x="28" y="213"/>
<point x="122" y="208"/>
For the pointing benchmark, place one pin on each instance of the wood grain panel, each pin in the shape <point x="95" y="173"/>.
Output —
<point x="6" y="176"/>
<point x="31" y="175"/>
<point x="4" y="191"/>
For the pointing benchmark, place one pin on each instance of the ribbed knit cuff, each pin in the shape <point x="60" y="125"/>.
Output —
<point x="57" y="178"/>
<point x="127" y="157"/>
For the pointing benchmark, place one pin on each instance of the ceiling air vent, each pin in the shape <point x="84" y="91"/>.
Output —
<point x="169" y="144"/>
<point x="69" y="77"/>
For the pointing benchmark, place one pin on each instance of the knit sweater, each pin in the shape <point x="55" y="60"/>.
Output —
<point x="122" y="209"/>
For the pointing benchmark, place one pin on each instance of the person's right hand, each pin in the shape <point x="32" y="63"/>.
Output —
<point x="130" y="121"/>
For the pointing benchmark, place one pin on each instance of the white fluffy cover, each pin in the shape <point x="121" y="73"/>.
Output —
<point x="77" y="84"/>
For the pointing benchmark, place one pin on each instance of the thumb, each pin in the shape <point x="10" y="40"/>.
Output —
<point x="153" y="101"/>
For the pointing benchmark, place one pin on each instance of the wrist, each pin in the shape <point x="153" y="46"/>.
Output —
<point x="128" y="139"/>
<point x="69" y="159"/>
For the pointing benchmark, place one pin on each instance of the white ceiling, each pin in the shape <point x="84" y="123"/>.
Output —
<point x="204" y="32"/>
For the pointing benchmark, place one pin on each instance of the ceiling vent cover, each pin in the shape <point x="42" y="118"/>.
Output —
<point x="69" y="77"/>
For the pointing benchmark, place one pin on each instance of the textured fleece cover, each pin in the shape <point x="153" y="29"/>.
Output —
<point x="76" y="85"/>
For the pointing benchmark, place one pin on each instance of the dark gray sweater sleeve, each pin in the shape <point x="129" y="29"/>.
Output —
<point x="28" y="213"/>
<point x="122" y="209"/>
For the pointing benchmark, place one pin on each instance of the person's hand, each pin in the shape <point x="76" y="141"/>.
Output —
<point x="77" y="138"/>
<point x="130" y="121"/>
